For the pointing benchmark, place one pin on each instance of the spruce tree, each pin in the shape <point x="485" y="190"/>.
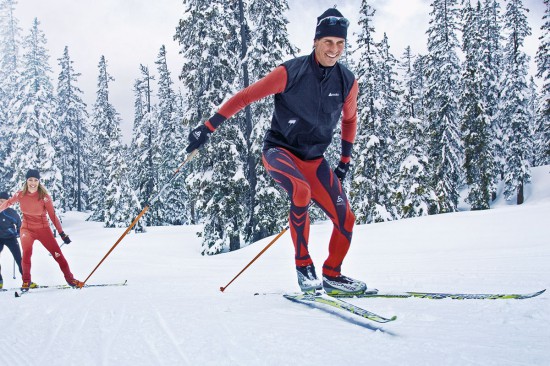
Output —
<point x="106" y="134"/>
<point x="362" y="197"/>
<point x="475" y="123"/>
<point x="411" y="193"/>
<point x="121" y="204"/>
<point x="33" y="111"/>
<point x="515" y="121"/>
<point x="10" y="35"/>
<point x="445" y="149"/>
<point x="209" y="34"/>
<point x="490" y="29"/>
<point x="542" y="155"/>
<point x="173" y="205"/>
<point x="72" y="146"/>
<point x="420" y="84"/>
<point x="386" y="127"/>
<point x="145" y="146"/>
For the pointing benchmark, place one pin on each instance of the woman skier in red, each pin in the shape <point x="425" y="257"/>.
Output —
<point x="35" y="202"/>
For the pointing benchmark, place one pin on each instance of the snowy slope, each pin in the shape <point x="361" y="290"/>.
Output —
<point x="172" y="312"/>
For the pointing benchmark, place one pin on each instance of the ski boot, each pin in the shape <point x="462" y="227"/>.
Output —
<point x="342" y="285"/>
<point x="74" y="283"/>
<point x="307" y="279"/>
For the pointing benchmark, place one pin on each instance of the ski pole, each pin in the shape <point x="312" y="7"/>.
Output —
<point x="222" y="289"/>
<point x="145" y="209"/>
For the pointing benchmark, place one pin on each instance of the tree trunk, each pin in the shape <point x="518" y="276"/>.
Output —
<point x="520" y="194"/>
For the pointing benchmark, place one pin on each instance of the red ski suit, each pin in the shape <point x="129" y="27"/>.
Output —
<point x="35" y="226"/>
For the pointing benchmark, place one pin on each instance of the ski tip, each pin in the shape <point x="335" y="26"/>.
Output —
<point x="538" y="293"/>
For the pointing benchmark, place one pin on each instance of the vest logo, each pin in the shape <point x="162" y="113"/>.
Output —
<point x="292" y="122"/>
<point x="340" y="201"/>
<point x="333" y="94"/>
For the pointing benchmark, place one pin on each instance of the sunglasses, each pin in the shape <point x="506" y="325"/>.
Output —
<point x="332" y="20"/>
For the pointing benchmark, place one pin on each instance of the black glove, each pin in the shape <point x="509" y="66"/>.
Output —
<point x="65" y="237"/>
<point x="198" y="137"/>
<point x="341" y="170"/>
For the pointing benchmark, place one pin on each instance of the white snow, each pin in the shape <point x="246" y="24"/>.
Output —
<point x="173" y="313"/>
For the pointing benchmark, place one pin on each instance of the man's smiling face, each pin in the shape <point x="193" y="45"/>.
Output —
<point x="328" y="50"/>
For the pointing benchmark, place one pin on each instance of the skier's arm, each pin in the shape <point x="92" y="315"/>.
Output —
<point x="51" y="212"/>
<point x="272" y="83"/>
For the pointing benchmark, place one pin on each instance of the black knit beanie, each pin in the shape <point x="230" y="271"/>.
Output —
<point x="33" y="173"/>
<point x="328" y="28"/>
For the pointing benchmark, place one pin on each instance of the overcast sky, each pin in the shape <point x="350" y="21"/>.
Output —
<point x="130" y="32"/>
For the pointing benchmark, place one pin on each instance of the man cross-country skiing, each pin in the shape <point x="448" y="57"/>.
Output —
<point x="311" y="92"/>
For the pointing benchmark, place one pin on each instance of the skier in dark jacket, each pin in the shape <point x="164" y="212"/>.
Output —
<point x="10" y="224"/>
<point x="311" y="92"/>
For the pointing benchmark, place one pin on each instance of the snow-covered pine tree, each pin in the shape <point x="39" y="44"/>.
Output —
<point x="33" y="111"/>
<point x="145" y="147"/>
<point x="367" y="196"/>
<point x="411" y="193"/>
<point x="534" y="101"/>
<point x="111" y="197"/>
<point x="542" y="156"/>
<point x="121" y="204"/>
<point x="445" y="151"/>
<point x="476" y="128"/>
<point x="191" y="34"/>
<point x="420" y="84"/>
<point x="173" y="205"/>
<point x="269" y="47"/>
<point x="209" y="36"/>
<point x="386" y="127"/>
<point x="515" y="110"/>
<point x="490" y="29"/>
<point x="72" y="147"/>
<point x="10" y="39"/>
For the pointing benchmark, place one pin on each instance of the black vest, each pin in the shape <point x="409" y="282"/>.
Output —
<point x="308" y="110"/>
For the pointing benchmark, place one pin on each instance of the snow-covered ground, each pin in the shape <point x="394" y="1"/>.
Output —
<point x="173" y="313"/>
